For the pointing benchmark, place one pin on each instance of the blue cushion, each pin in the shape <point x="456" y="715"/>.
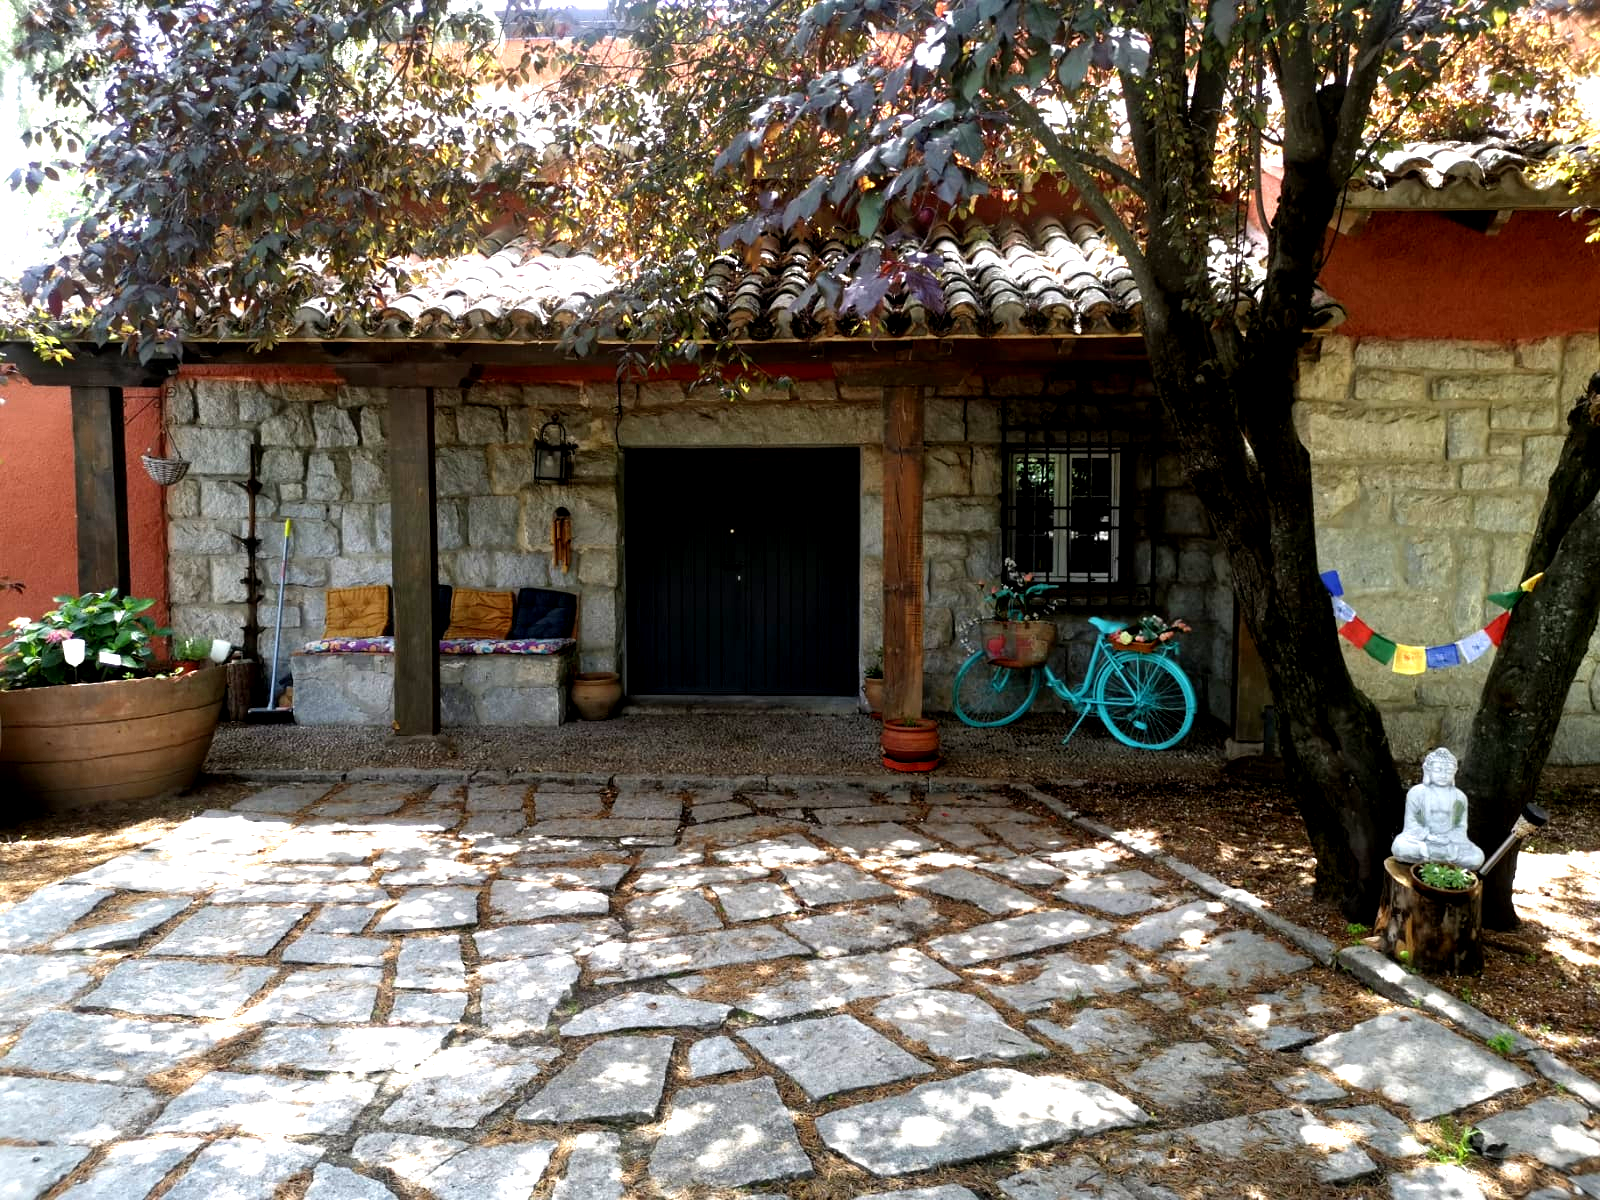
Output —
<point x="544" y="613"/>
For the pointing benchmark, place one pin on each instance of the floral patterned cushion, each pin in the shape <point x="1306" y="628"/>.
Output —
<point x="385" y="645"/>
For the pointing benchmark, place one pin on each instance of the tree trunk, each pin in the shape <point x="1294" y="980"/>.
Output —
<point x="1545" y="642"/>
<point x="1257" y="491"/>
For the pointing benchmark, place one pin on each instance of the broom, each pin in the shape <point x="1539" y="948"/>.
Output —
<point x="272" y="714"/>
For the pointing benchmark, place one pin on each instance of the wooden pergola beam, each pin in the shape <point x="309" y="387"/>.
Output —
<point x="414" y="559"/>
<point x="100" y="477"/>
<point x="902" y="551"/>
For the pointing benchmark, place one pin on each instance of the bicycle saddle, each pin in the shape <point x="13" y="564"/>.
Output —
<point x="1107" y="626"/>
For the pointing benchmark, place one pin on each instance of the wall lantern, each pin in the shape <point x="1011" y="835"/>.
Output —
<point x="552" y="453"/>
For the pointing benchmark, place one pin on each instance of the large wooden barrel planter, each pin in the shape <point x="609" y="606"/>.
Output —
<point x="1429" y="928"/>
<point x="83" y="744"/>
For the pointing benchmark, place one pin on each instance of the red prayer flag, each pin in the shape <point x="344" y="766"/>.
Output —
<point x="1356" y="631"/>
<point x="1496" y="629"/>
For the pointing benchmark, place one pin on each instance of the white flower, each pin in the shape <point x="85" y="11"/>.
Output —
<point x="73" y="650"/>
<point x="107" y="658"/>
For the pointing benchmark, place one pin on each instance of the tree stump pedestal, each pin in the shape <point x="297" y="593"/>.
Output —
<point x="1429" y="928"/>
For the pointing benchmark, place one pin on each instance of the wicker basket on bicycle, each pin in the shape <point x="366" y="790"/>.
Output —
<point x="1017" y="643"/>
<point x="1135" y="647"/>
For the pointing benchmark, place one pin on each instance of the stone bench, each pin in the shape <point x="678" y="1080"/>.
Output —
<point x="474" y="689"/>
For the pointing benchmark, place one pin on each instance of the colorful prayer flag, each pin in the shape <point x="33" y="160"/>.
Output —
<point x="1440" y="657"/>
<point x="1531" y="582"/>
<point x="1380" y="648"/>
<point x="1356" y="631"/>
<point x="1474" y="646"/>
<point x="1409" y="660"/>
<point x="1505" y="600"/>
<point x="1496" y="629"/>
<point x="1330" y="580"/>
<point x="1342" y="612"/>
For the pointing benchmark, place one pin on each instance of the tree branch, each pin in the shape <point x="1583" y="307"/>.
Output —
<point x="1303" y="139"/>
<point x="1360" y="86"/>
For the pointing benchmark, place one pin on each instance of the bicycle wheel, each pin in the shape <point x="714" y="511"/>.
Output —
<point x="987" y="695"/>
<point x="1145" y="700"/>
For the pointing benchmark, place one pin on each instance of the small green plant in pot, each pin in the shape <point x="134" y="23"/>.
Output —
<point x="92" y="638"/>
<point x="1445" y="877"/>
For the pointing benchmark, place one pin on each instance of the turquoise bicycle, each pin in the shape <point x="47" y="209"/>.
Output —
<point x="1143" y="698"/>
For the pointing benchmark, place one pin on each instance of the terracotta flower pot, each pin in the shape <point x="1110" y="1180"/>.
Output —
<point x="911" y="744"/>
<point x="873" y="689"/>
<point x="81" y="744"/>
<point x="595" y="694"/>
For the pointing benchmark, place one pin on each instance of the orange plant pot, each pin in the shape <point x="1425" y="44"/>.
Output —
<point x="911" y="744"/>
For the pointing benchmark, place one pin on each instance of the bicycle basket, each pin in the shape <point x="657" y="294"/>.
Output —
<point x="1017" y="643"/>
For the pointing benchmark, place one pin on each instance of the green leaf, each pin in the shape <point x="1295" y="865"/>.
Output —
<point x="869" y="210"/>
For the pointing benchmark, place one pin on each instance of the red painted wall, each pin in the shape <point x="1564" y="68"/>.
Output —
<point x="1422" y="275"/>
<point x="38" y="523"/>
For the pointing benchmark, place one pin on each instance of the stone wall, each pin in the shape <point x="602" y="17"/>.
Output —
<point x="324" y="465"/>
<point x="1430" y="461"/>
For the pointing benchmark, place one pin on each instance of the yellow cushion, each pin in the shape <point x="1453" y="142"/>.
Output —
<point x="357" y="612"/>
<point x="475" y="614"/>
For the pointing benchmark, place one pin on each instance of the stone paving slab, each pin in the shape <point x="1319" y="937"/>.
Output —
<point x="993" y="897"/>
<point x="1551" y="1130"/>
<point x="666" y="914"/>
<point x="873" y="841"/>
<point x="1015" y="935"/>
<point x="871" y="927"/>
<point x="227" y="930"/>
<point x="29" y="983"/>
<point x="593" y="1170"/>
<point x="428" y="1008"/>
<point x="341" y="1183"/>
<point x="533" y="900"/>
<point x="1237" y="959"/>
<point x="1122" y="894"/>
<point x="518" y="996"/>
<point x="38" y="919"/>
<point x="990" y="1111"/>
<point x="459" y="1086"/>
<point x="829" y="1055"/>
<point x="109" y="1049"/>
<point x="615" y="1079"/>
<point x="178" y="989"/>
<point x="1182" y="1076"/>
<point x="267" y="1105"/>
<point x="820" y="884"/>
<point x="1286" y="1131"/>
<point x="1415" y="1062"/>
<point x="728" y="1135"/>
<point x="131" y="926"/>
<point x="753" y="901"/>
<point x="80" y="1114"/>
<point x="1065" y="976"/>
<point x="431" y="908"/>
<point x="646" y="1010"/>
<point x="332" y="996"/>
<point x="432" y="961"/>
<point x="626" y="962"/>
<point x="132" y="1169"/>
<point x="336" y="950"/>
<point x="1112" y="1032"/>
<point x="553" y="937"/>
<point x="833" y="983"/>
<point x="365" y="1050"/>
<point x="955" y="1026"/>
<point x="1188" y="923"/>
<point x="243" y="1169"/>
<point x="715" y="1056"/>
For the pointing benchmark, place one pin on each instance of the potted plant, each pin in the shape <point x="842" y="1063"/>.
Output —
<point x="1444" y="877"/>
<point x="1149" y="634"/>
<point x="595" y="694"/>
<point x="872" y="683"/>
<point x="910" y="744"/>
<point x="1018" y="634"/>
<point x="90" y="716"/>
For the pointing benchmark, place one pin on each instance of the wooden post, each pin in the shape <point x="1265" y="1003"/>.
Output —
<point x="101" y="476"/>
<point x="414" y="555"/>
<point x="902" y="552"/>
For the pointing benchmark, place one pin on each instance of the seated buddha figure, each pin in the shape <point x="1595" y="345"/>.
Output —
<point x="1436" y="818"/>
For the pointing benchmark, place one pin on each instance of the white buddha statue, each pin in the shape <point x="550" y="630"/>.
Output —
<point x="1436" y="818"/>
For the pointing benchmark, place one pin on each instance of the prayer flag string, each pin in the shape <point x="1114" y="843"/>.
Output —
<point x="1405" y="659"/>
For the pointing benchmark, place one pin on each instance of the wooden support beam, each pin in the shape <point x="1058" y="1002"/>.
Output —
<point x="414" y="556"/>
<point x="902" y="552"/>
<point x="101" y="476"/>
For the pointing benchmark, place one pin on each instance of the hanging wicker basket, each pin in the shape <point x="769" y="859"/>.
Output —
<point x="165" y="471"/>
<point x="1017" y="643"/>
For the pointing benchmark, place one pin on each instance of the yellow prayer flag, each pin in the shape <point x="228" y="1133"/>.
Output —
<point x="1410" y="660"/>
<point x="1531" y="582"/>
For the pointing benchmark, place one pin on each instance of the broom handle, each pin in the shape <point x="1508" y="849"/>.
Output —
<point x="277" y="636"/>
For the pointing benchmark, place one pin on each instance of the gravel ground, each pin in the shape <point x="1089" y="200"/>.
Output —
<point x="713" y="743"/>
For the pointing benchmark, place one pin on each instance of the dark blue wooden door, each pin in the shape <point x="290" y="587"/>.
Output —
<point x="742" y="571"/>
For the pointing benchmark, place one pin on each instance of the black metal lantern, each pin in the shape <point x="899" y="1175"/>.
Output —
<point x="552" y="453"/>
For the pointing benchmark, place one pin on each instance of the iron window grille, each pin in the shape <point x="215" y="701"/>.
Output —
<point x="1071" y="511"/>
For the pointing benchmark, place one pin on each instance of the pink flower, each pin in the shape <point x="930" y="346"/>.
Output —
<point x="1028" y="578"/>
<point x="56" y="636"/>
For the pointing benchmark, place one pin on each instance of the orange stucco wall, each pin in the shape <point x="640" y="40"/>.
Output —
<point x="38" y="522"/>
<point x="1423" y="275"/>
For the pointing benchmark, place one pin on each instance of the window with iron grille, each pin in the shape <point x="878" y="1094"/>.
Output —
<point x="1071" y="511"/>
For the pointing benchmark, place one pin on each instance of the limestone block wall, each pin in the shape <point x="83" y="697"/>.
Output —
<point x="325" y="465"/>
<point x="1430" y="466"/>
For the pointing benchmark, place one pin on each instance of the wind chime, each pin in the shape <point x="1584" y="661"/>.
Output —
<point x="561" y="540"/>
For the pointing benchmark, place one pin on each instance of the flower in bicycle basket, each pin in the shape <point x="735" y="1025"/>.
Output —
<point x="1124" y="638"/>
<point x="1152" y="629"/>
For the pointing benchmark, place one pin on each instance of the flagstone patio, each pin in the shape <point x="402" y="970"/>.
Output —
<point x="847" y="990"/>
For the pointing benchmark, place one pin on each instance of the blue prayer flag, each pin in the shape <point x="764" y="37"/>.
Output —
<point x="1440" y="657"/>
<point x="1330" y="580"/>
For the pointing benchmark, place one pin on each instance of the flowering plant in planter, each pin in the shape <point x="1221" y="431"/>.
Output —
<point x="1150" y="632"/>
<point x="1016" y="597"/>
<point x="92" y="638"/>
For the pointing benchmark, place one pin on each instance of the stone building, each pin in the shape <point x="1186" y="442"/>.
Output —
<point x="723" y="547"/>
